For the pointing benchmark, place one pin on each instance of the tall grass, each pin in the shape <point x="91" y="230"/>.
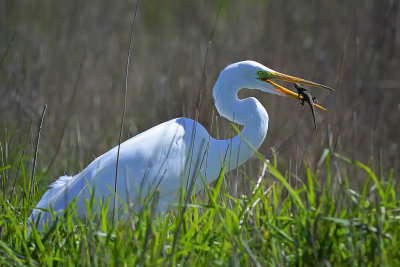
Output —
<point x="317" y="222"/>
<point x="328" y="210"/>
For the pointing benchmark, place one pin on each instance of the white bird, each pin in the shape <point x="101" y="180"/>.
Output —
<point x="174" y="153"/>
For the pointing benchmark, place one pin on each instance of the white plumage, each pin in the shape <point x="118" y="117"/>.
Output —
<point x="171" y="154"/>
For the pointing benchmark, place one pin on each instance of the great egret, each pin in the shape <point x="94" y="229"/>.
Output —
<point x="176" y="152"/>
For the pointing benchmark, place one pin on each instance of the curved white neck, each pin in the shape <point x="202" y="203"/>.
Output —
<point x="248" y="112"/>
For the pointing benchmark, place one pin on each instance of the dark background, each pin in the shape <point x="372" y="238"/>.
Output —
<point x="72" y="54"/>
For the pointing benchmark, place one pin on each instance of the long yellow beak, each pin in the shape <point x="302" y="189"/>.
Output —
<point x="287" y="78"/>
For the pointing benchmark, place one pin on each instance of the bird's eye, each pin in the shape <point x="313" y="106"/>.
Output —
<point x="260" y="73"/>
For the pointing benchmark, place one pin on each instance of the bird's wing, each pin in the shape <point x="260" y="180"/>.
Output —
<point x="160" y="158"/>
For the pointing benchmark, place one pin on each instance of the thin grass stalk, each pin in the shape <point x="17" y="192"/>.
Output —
<point x="124" y="109"/>
<point x="36" y="153"/>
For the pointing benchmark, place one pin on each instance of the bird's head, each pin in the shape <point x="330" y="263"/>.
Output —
<point x="253" y="75"/>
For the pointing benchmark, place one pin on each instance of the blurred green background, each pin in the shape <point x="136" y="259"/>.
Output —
<point x="71" y="55"/>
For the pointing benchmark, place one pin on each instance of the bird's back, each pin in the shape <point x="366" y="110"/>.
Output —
<point x="162" y="158"/>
